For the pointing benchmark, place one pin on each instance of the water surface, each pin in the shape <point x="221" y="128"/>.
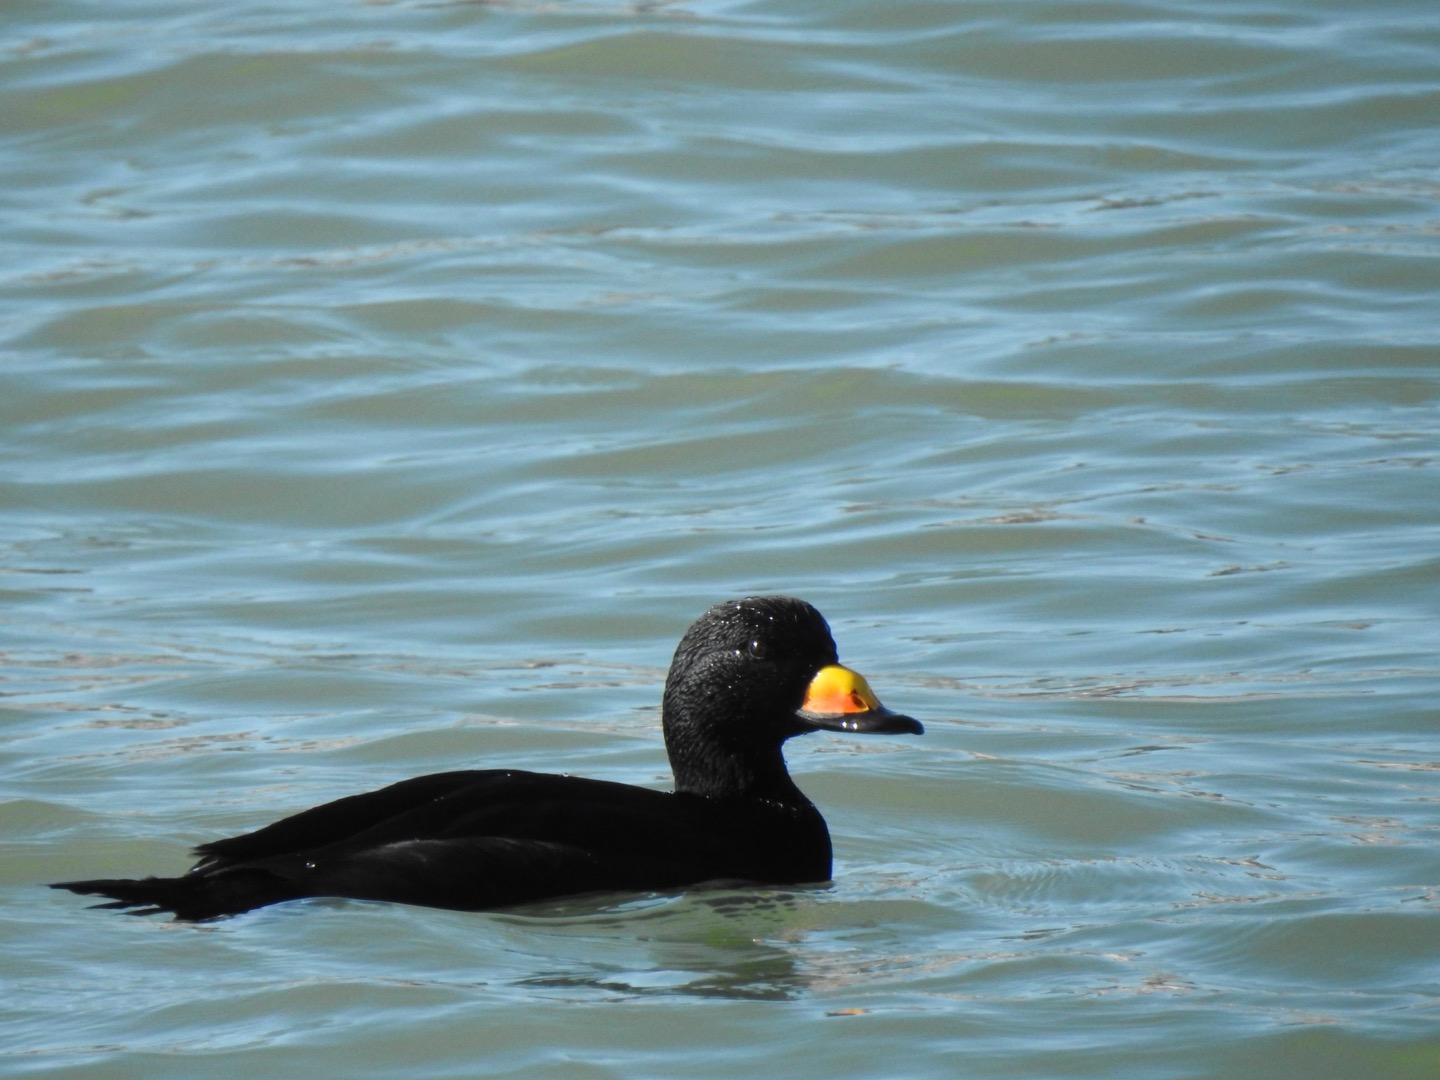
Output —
<point x="387" y="386"/>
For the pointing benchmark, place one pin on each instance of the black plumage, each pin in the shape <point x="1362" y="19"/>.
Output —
<point x="746" y="676"/>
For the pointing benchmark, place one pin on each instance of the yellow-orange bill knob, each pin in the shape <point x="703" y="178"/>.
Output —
<point x="837" y="690"/>
<point x="841" y="700"/>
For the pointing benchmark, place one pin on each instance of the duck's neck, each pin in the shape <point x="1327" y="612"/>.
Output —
<point x="717" y="774"/>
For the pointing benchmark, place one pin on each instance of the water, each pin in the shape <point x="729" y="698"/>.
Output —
<point x="387" y="386"/>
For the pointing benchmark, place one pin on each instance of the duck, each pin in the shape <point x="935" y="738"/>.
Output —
<point x="748" y="675"/>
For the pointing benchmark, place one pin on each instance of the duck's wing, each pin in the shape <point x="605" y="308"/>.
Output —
<point x="336" y="821"/>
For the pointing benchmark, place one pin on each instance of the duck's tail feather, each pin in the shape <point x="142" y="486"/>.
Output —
<point x="192" y="897"/>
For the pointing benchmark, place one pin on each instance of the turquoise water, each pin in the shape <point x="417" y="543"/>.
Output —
<point x="386" y="386"/>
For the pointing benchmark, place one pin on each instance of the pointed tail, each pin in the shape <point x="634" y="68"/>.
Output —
<point x="192" y="897"/>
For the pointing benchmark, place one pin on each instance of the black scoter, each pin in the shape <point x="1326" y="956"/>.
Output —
<point x="748" y="675"/>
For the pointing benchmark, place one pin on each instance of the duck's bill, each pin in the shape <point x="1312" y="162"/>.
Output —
<point x="839" y="699"/>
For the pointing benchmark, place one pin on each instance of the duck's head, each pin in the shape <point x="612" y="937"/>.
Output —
<point x="748" y="675"/>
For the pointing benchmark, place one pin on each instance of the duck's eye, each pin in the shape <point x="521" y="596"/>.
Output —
<point x="757" y="650"/>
